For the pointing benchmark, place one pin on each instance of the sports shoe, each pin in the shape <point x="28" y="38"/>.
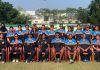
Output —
<point x="13" y="60"/>
<point x="86" y="60"/>
<point x="3" y="62"/>
<point x="17" y="60"/>
<point x="71" y="61"/>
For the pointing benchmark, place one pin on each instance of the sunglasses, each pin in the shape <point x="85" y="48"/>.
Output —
<point x="57" y="35"/>
<point x="16" y="36"/>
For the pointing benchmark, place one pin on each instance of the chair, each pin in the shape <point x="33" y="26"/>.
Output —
<point x="35" y="55"/>
<point x="93" y="53"/>
<point x="71" y="53"/>
<point x="6" y="49"/>
<point x="43" y="53"/>
<point x="57" y="52"/>
<point x="10" y="49"/>
<point x="85" y="53"/>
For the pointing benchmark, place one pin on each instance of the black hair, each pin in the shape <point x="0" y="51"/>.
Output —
<point x="57" y="33"/>
<point x="43" y="25"/>
<point x="15" y="34"/>
<point x="19" y="25"/>
<point x="97" y="35"/>
<point x="51" y="25"/>
<point x="10" y="27"/>
<point x="26" y="25"/>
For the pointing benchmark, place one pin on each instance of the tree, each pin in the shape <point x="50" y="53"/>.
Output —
<point x="82" y="15"/>
<point x="71" y="14"/>
<point x="7" y="12"/>
<point x="43" y="12"/>
<point x="94" y="12"/>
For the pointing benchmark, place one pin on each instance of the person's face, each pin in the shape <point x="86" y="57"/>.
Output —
<point x="10" y="29"/>
<point x="43" y="36"/>
<point x="30" y="28"/>
<point x="51" y="28"/>
<point x="29" y="36"/>
<point x="83" y="36"/>
<point x="98" y="37"/>
<point x="19" y="28"/>
<point x="70" y="36"/>
<point x="43" y="27"/>
<point x="96" y="28"/>
<point x="87" y="28"/>
<point x="2" y="25"/>
<point x="61" y="27"/>
<point x="1" y="36"/>
<point x="69" y="28"/>
<point x="27" y="27"/>
<point x="16" y="36"/>
<point x="57" y="35"/>
<point x="78" y="27"/>
<point x="34" y="27"/>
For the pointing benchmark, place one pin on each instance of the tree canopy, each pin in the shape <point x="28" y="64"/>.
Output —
<point x="7" y="12"/>
<point x="91" y="14"/>
<point x="94" y="12"/>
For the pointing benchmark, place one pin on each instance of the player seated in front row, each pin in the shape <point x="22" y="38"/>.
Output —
<point x="71" y="46"/>
<point x="57" y="46"/>
<point x="29" y="47"/>
<point x="96" y="47"/>
<point x="43" y="46"/>
<point x="16" y="46"/>
<point x="85" y="50"/>
<point x="3" y="45"/>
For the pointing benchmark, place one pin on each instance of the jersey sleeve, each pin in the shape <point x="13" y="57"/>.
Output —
<point x="13" y="41"/>
<point x="53" y="40"/>
<point x="94" y="42"/>
<point x="88" y="42"/>
<point x="34" y="39"/>
<point x="20" y="40"/>
<point x="80" y="41"/>
<point x="74" y="41"/>
<point x="7" y="34"/>
<point x="66" y="42"/>
<point x="25" y="40"/>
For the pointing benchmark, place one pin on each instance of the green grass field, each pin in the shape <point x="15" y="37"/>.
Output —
<point x="50" y="66"/>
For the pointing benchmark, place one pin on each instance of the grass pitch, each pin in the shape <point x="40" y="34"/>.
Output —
<point x="50" y="66"/>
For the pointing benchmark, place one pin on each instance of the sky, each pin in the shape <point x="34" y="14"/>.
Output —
<point x="51" y="4"/>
